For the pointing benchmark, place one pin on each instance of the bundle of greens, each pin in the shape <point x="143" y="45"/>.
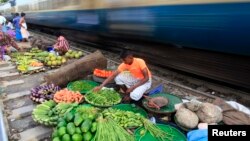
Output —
<point x="104" y="98"/>
<point x="155" y="131"/>
<point x="109" y="130"/>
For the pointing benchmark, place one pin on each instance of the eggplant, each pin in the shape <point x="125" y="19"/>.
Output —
<point x="41" y="100"/>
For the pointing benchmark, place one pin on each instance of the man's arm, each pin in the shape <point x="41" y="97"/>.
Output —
<point x="141" y="82"/>
<point x="12" y="43"/>
<point x="110" y="78"/>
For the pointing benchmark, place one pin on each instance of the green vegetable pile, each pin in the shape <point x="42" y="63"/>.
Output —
<point x="43" y="113"/>
<point x="109" y="130"/>
<point x="129" y="119"/>
<point x="155" y="131"/>
<point x="78" y="126"/>
<point x="81" y="86"/>
<point x="125" y="119"/>
<point x="103" y="98"/>
<point x="48" y="112"/>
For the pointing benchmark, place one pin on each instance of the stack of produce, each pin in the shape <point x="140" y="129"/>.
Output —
<point x="63" y="108"/>
<point x="129" y="119"/>
<point x="43" y="93"/>
<point x="35" y="64"/>
<point x="35" y="50"/>
<point x="14" y="55"/>
<point x="77" y="127"/>
<point x="125" y="119"/>
<point x="41" y="56"/>
<point x="109" y="130"/>
<point x="53" y="60"/>
<point x="104" y="98"/>
<point x="68" y="96"/>
<point x="43" y="113"/>
<point x="155" y="131"/>
<point x="23" y="63"/>
<point x="191" y="114"/>
<point x="73" y="54"/>
<point x="82" y="85"/>
<point x="102" y="73"/>
<point x="48" y="112"/>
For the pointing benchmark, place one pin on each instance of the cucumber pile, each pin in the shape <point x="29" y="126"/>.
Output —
<point x="78" y="126"/>
<point x="43" y="113"/>
<point x="49" y="112"/>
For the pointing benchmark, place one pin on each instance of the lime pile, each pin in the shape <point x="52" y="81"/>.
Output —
<point x="53" y="60"/>
<point x="74" y="54"/>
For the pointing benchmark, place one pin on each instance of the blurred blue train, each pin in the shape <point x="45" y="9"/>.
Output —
<point x="215" y="25"/>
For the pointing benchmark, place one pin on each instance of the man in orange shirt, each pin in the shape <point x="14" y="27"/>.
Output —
<point x="133" y="76"/>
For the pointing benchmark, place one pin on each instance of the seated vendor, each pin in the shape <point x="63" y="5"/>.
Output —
<point x="133" y="77"/>
<point x="5" y="42"/>
<point x="62" y="45"/>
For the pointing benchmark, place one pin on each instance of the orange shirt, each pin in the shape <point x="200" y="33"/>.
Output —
<point x="135" y="68"/>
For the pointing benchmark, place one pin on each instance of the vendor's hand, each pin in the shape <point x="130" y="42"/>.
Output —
<point x="98" y="88"/>
<point x="20" y="49"/>
<point x="129" y="90"/>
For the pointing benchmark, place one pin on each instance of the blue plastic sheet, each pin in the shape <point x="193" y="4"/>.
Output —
<point x="156" y="90"/>
<point x="198" y="135"/>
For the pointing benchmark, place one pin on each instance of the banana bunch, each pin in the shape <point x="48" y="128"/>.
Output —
<point x="23" y="63"/>
<point x="63" y="108"/>
<point x="22" y="68"/>
<point x="43" y="113"/>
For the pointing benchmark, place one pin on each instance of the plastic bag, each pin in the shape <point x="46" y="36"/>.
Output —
<point x="197" y="135"/>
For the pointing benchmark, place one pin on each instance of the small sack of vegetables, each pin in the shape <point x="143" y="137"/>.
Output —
<point x="209" y="113"/>
<point x="186" y="118"/>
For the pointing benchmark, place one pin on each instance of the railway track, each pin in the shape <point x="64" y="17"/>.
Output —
<point x="171" y="78"/>
<point x="17" y="106"/>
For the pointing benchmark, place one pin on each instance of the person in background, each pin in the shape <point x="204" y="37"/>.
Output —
<point x="23" y="25"/>
<point x="133" y="77"/>
<point x="3" y="23"/>
<point x="10" y="25"/>
<point x="62" y="45"/>
<point x="10" y="30"/>
<point x="5" y="43"/>
<point x="16" y="22"/>
<point x="2" y="19"/>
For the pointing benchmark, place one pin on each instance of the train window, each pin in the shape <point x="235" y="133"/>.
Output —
<point x="49" y="5"/>
<point x="54" y="4"/>
<point x="75" y="2"/>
